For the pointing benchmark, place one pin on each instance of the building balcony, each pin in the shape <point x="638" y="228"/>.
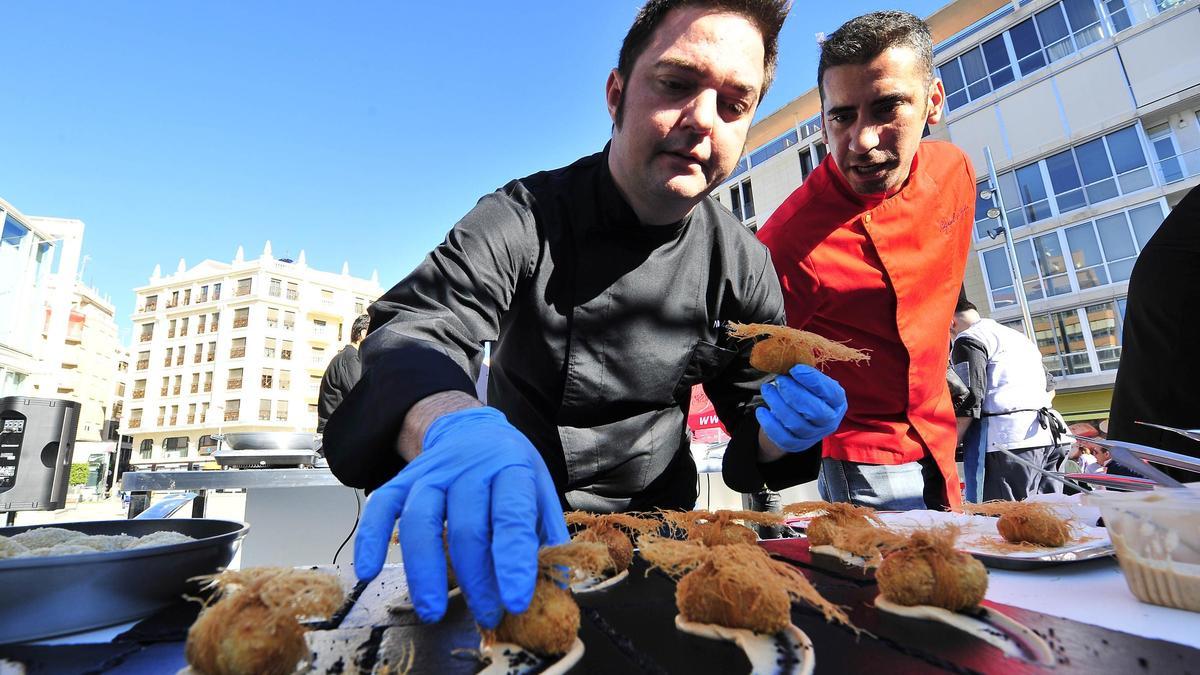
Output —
<point x="211" y="358"/>
<point x="172" y="304"/>
<point x="149" y="307"/>
<point x="196" y="358"/>
<point x="212" y="327"/>
<point x="199" y="329"/>
<point x="162" y="392"/>
<point x="241" y="293"/>
<point x="167" y="362"/>
<point x="174" y="420"/>
<point x="234" y="384"/>
<point x="231" y="415"/>
<point x="241" y="323"/>
<point x="143" y="364"/>
<point x="237" y="352"/>
<point x="1179" y="167"/>
<point x="207" y="387"/>
<point x="170" y="334"/>
<point x="146" y="337"/>
<point x="202" y="299"/>
<point x="139" y="393"/>
<point x="191" y="419"/>
<point x="294" y="296"/>
<point x="195" y="389"/>
<point x="161" y="420"/>
<point x="182" y="332"/>
<point x="285" y="354"/>
<point x="176" y="390"/>
<point x="179" y="361"/>
<point x="264" y="416"/>
<point x="135" y="423"/>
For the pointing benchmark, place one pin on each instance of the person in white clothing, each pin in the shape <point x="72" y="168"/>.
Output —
<point x="1012" y="392"/>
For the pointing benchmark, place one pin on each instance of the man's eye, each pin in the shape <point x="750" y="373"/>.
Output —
<point x="673" y="85"/>
<point x="737" y="108"/>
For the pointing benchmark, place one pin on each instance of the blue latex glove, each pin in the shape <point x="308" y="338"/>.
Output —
<point x="487" y="483"/>
<point x="802" y="407"/>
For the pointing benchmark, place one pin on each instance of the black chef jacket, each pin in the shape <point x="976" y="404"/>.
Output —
<point x="340" y="376"/>
<point x="600" y="325"/>
<point x="1156" y="381"/>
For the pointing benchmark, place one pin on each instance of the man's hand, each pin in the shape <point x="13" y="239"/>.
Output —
<point x="802" y="407"/>
<point x="486" y="483"/>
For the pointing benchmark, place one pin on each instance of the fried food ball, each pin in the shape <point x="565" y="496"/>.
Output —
<point x="620" y="549"/>
<point x="928" y="570"/>
<point x="242" y="636"/>
<point x="719" y="533"/>
<point x="785" y="347"/>
<point x="724" y="594"/>
<point x="1034" y="523"/>
<point x="45" y="537"/>
<point x="548" y="627"/>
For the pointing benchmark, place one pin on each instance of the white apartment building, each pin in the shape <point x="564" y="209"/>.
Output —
<point x="88" y="370"/>
<point x="241" y="346"/>
<point x="35" y="252"/>
<point x="1091" y="109"/>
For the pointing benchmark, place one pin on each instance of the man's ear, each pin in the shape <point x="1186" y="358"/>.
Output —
<point x="613" y="90"/>
<point x="937" y="101"/>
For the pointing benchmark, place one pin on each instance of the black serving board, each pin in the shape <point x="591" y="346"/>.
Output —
<point x="629" y="628"/>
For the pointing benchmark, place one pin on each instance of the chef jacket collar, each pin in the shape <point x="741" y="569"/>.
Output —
<point x="618" y="216"/>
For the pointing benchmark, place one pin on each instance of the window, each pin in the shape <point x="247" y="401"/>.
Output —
<point x="977" y="72"/>
<point x="238" y="348"/>
<point x="203" y="297"/>
<point x="198" y="353"/>
<point x="1105" y="327"/>
<point x="241" y="317"/>
<point x="195" y="388"/>
<point x="174" y="301"/>
<point x="151" y="303"/>
<point x="187" y="296"/>
<point x="272" y="317"/>
<point x="286" y="352"/>
<point x="216" y="291"/>
<point x="289" y="320"/>
<point x="175" y="390"/>
<point x="1126" y="13"/>
<point x="171" y="329"/>
<point x="318" y="357"/>
<point x="275" y="288"/>
<point x="293" y="291"/>
<point x="214" y="322"/>
<point x="1087" y="174"/>
<point x="212" y="352"/>
<point x="1172" y="165"/>
<point x="166" y="386"/>
<point x="208" y="380"/>
<point x="742" y="198"/>
<point x="175" y="446"/>
<point x="143" y="361"/>
<point x="233" y="410"/>
<point x="145" y="448"/>
<point x="268" y="378"/>
<point x="983" y="224"/>
<point x="243" y="287"/>
<point x="806" y="163"/>
<point x="285" y="380"/>
<point x="139" y="389"/>
<point x="147" y="332"/>
<point x="269" y="348"/>
<point x="183" y="326"/>
<point x="1101" y="252"/>
<point x="204" y="412"/>
<point x="326" y="296"/>
<point x="206" y="445"/>
<point x="281" y="411"/>
<point x="167" y="360"/>
<point x="234" y="381"/>
<point x="264" y="410"/>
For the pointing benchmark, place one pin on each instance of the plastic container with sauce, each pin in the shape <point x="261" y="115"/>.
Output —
<point x="1157" y="538"/>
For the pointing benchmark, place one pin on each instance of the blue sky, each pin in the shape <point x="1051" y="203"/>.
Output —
<point x="356" y="131"/>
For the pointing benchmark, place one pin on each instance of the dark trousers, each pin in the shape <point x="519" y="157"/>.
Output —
<point x="1004" y="478"/>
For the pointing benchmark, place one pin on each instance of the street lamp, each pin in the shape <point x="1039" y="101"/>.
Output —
<point x="998" y="212"/>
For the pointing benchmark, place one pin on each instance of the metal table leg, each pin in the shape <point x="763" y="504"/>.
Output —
<point x="200" y="504"/>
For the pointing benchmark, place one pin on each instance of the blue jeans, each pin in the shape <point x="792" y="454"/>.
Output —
<point x="901" y="487"/>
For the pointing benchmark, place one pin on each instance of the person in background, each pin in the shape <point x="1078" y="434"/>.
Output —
<point x="871" y="251"/>
<point x="604" y="288"/>
<point x="1158" y="375"/>
<point x="342" y="373"/>
<point x="1004" y="371"/>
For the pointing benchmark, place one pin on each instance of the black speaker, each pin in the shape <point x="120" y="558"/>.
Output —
<point x="37" y="438"/>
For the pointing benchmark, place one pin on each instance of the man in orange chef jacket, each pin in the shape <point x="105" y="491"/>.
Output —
<point x="870" y="251"/>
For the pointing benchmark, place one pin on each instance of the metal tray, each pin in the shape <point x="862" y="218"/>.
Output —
<point x="1084" y="553"/>
<point x="45" y="597"/>
<point x="270" y="440"/>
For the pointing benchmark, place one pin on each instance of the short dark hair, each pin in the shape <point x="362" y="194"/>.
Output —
<point x="358" y="330"/>
<point x="964" y="305"/>
<point x="766" y="15"/>
<point x="861" y="39"/>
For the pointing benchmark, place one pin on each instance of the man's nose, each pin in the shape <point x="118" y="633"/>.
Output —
<point x="701" y="112"/>
<point x="863" y="139"/>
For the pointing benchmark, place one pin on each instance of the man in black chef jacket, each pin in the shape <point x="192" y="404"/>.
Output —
<point x="605" y="286"/>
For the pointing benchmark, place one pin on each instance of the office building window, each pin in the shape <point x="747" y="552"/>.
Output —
<point x="233" y="410"/>
<point x="742" y="198"/>
<point x="264" y="410"/>
<point x="175" y="446"/>
<point x="1085" y="175"/>
<point x="207" y="445"/>
<point x="806" y="163"/>
<point x="243" y="287"/>
<point x="146" y="449"/>
<point x="234" y="381"/>
<point x="1101" y="252"/>
<point x="276" y="288"/>
<point x="241" y="317"/>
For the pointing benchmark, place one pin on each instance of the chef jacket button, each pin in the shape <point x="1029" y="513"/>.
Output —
<point x="866" y="217"/>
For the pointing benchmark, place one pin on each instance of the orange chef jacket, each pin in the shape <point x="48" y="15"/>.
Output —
<point x="883" y="274"/>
